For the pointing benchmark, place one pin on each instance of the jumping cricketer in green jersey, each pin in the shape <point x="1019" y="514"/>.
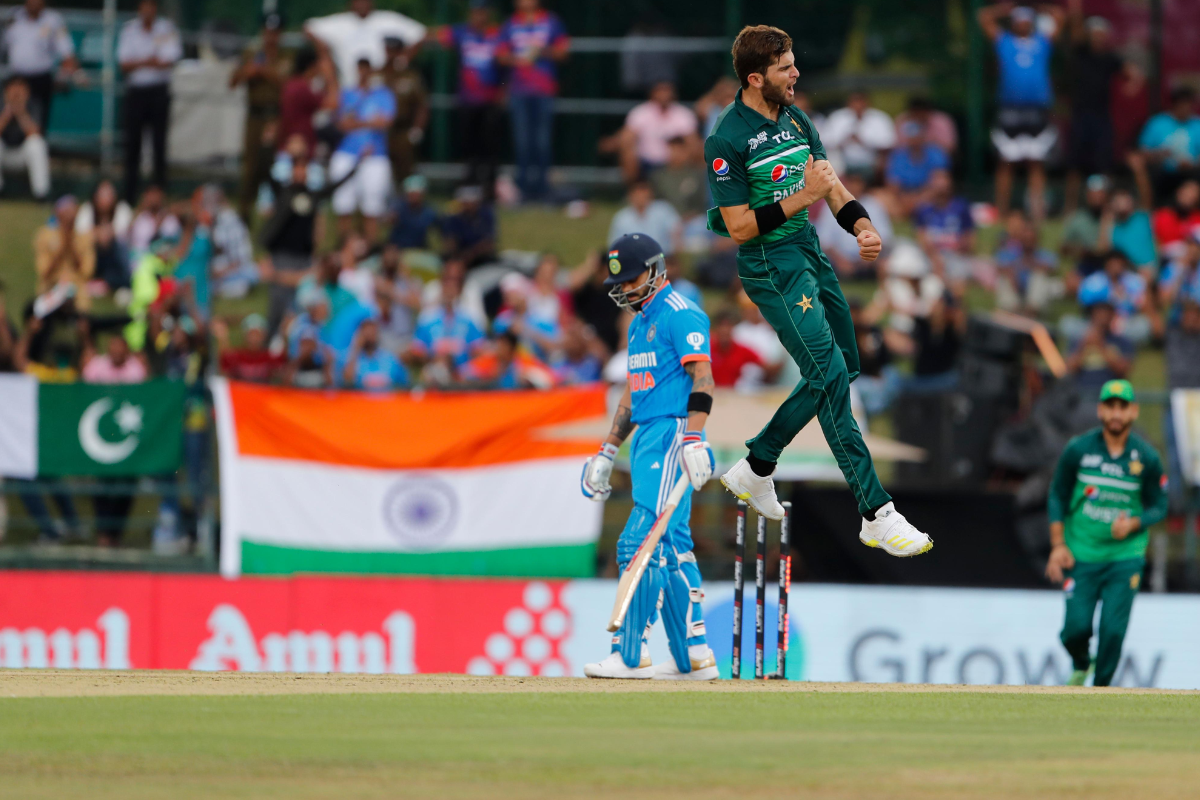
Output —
<point x="1108" y="489"/>
<point x="766" y="166"/>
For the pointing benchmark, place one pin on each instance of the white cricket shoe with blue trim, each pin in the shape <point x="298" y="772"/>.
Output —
<point x="893" y="534"/>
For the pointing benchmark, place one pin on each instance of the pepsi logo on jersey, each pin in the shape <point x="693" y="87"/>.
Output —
<point x="720" y="166"/>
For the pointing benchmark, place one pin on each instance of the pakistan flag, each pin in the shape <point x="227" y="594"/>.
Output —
<point x="51" y="430"/>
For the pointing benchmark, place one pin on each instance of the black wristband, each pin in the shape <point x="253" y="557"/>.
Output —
<point x="851" y="213"/>
<point x="769" y="217"/>
<point x="700" y="401"/>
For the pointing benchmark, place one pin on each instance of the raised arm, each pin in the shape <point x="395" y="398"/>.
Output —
<point x="989" y="18"/>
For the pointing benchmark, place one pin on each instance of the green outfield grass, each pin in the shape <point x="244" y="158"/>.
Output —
<point x="620" y="745"/>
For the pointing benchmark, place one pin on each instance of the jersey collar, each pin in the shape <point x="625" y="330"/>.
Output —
<point x="752" y="117"/>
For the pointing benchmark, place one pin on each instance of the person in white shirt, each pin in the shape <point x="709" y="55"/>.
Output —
<point x="858" y="137"/>
<point x="147" y="50"/>
<point x="38" y="44"/>
<point x="657" y="219"/>
<point x="360" y="33"/>
<point x="642" y="144"/>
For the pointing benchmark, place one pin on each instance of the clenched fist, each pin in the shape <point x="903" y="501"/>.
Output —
<point x="819" y="178"/>
<point x="869" y="245"/>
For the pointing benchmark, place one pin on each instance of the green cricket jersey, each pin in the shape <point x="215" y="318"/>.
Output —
<point x="755" y="161"/>
<point x="1091" y="489"/>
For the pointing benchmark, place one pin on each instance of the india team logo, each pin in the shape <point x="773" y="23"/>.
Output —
<point x="720" y="166"/>
<point x="779" y="173"/>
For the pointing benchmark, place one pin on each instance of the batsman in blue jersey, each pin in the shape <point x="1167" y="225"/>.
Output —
<point x="668" y="396"/>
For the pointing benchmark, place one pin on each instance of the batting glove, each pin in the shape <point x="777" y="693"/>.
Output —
<point x="698" y="459"/>
<point x="596" y="473"/>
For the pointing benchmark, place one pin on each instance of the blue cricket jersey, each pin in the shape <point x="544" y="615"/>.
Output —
<point x="669" y="332"/>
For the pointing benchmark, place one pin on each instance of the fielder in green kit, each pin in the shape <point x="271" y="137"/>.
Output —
<point x="1108" y="489"/>
<point x="766" y="166"/>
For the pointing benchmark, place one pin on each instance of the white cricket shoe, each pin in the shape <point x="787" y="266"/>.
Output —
<point x="703" y="669"/>
<point x="614" y="667"/>
<point x="895" y="535"/>
<point x="756" y="490"/>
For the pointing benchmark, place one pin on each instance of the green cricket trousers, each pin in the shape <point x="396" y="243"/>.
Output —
<point x="1113" y="584"/>
<point x="796" y="289"/>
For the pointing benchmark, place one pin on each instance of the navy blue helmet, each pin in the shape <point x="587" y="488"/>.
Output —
<point x="628" y="257"/>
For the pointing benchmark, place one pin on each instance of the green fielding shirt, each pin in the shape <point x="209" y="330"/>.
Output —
<point x="1091" y="489"/>
<point x="755" y="161"/>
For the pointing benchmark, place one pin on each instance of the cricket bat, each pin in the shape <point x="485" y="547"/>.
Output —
<point x="637" y="567"/>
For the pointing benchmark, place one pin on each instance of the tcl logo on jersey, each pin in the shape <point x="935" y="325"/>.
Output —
<point x="641" y="381"/>
<point x="720" y="166"/>
<point x="779" y="173"/>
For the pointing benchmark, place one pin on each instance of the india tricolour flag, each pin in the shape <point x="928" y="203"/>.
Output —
<point x="457" y="483"/>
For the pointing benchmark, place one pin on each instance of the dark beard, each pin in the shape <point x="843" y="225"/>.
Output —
<point x="777" y="96"/>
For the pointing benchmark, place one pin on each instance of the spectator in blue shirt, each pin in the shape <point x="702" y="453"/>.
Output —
<point x="1025" y="279"/>
<point x="946" y="231"/>
<point x="537" y="333"/>
<point x="446" y="335"/>
<point x="370" y="366"/>
<point x="412" y="216"/>
<point x="1099" y="354"/>
<point x="364" y="117"/>
<point x="581" y="357"/>
<point x="470" y="234"/>
<point x="1023" y="131"/>
<point x="911" y="166"/>
<point x="1126" y="292"/>
<point x="1170" y="142"/>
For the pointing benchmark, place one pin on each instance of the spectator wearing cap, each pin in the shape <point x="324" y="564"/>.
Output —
<point x="412" y="107"/>
<point x="859" y="137"/>
<point x="480" y="91"/>
<point x="41" y="52"/>
<point x="642" y="143"/>
<point x="1170" y="142"/>
<point x="1025" y="271"/>
<point x="360" y="32"/>
<point x="910" y="168"/>
<point x="1093" y="66"/>
<point x="312" y="88"/>
<point x="263" y="70"/>
<point x="842" y="248"/>
<point x="1099" y="354"/>
<point x="253" y="361"/>
<point x="147" y="51"/>
<point x="1023" y="131"/>
<point x="533" y="42"/>
<point x="1081" y="243"/>
<point x="63" y="258"/>
<point x="412" y="217"/>
<point x="734" y="365"/>
<point x="22" y="139"/>
<point x="469" y="234"/>
<point x="366" y="113"/>
<point x="940" y="130"/>
<point x="645" y="214"/>
<point x="371" y="366"/>
<point x="946" y="231"/>
<point x="1174" y="223"/>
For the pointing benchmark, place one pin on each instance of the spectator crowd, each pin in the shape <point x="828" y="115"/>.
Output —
<point x="370" y="284"/>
